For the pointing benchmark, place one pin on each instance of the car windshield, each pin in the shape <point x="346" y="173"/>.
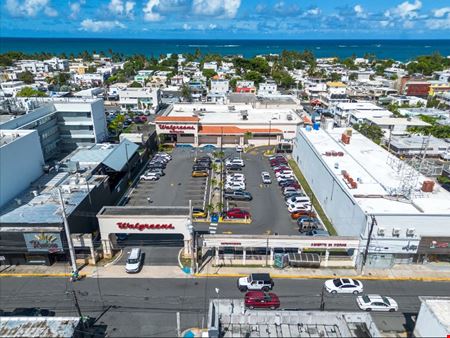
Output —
<point x="366" y="299"/>
<point x="345" y="280"/>
<point x="337" y="282"/>
<point x="132" y="261"/>
<point x="386" y="301"/>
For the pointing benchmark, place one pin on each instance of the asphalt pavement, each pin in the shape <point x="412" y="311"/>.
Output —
<point x="132" y="307"/>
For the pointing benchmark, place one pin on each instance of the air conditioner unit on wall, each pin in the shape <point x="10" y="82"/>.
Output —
<point x="396" y="232"/>
<point x="410" y="232"/>
<point x="380" y="232"/>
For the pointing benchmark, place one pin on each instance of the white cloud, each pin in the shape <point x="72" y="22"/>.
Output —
<point x="149" y="14"/>
<point x="312" y="12"/>
<point x="439" y="13"/>
<point x="212" y="26"/>
<point x="75" y="8"/>
<point x="406" y="10"/>
<point x="359" y="11"/>
<point x="408" y="24"/>
<point x="30" y="8"/>
<point x="220" y="8"/>
<point x="186" y="27"/>
<point x="119" y="7"/>
<point x="437" y="24"/>
<point x="99" y="26"/>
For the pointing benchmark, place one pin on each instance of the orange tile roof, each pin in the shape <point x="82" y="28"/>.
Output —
<point x="177" y="119"/>
<point x="234" y="130"/>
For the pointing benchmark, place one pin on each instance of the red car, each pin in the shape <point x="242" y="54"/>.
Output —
<point x="294" y="185"/>
<point x="237" y="213"/>
<point x="303" y="213"/>
<point x="259" y="299"/>
<point x="278" y="162"/>
<point x="278" y="169"/>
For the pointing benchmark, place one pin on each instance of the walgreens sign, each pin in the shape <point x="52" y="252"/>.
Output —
<point x="144" y="226"/>
<point x="176" y="127"/>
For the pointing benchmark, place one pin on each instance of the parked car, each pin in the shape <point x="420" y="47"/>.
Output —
<point x="234" y="186"/>
<point x="261" y="300"/>
<point x="298" y="206"/>
<point x="233" y="167"/>
<point x="234" y="161"/>
<point x="302" y="213"/>
<point x="235" y="179"/>
<point x="344" y="285"/>
<point x="237" y="213"/>
<point x="157" y="171"/>
<point x="285" y="177"/>
<point x="294" y="184"/>
<point x="238" y="195"/>
<point x="199" y="213"/>
<point x="318" y="233"/>
<point x="284" y="172"/>
<point x="277" y="157"/>
<point x="200" y="173"/>
<point x="205" y="164"/>
<point x="238" y="175"/>
<point x="307" y="224"/>
<point x="158" y="165"/>
<point x="265" y="176"/>
<point x="134" y="261"/>
<point x="165" y="155"/>
<point x="281" y="168"/>
<point x="297" y="199"/>
<point x="149" y="176"/>
<point x="198" y="167"/>
<point x="376" y="303"/>
<point x="286" y="183"/>
<point x="255" y="282"/>
<point x="288" y="190"/>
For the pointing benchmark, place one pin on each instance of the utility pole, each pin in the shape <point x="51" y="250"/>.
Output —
<point x="369" y="237"/>
<point x="128" y="161"/>
<point x="67" y="231"/>
<point x="178" y="325"/>
<point x="270" y="130"/>
<point x="322" y="300"/>
<point x="267" y="249"/>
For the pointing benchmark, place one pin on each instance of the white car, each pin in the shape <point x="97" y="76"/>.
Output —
<point x="234" y="186"/>
<point x="376" y="303"/>
<point x="150" y="177"/>
<point x="284" y="172"/>
<point x="236" y="175"/>
<point x="297" y="200"/>
<point x="236" y="161"/>
<point x="344" y="285"/>
<point x="298" y="207"/>
<point x="239" y="149"/>
<point x="291" y="190"/>
<point x="235" y="179"/>
<point x="265" y="176"/>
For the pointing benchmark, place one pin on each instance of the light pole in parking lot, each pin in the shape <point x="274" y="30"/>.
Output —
<point x="270" y="130"/>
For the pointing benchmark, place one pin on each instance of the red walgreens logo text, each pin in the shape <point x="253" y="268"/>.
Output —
<point x="176" y="127"/>
<point x="143" y="226"/>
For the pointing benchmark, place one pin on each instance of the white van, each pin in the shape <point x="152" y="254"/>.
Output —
<point x="134" y="261"/>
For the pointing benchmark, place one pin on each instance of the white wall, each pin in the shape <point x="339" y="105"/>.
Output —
<point x="427" y="325"/>
<point x="346" y="216"/>
<point x="21" y="163"/>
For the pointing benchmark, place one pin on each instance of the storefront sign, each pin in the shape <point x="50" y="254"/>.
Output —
<point x="439" y="245"/>
<point x="43" y="242"/>
<point x="434" y="245"/>
<point x="230" y="244"/>
<point x="176" y="127"/>
<point x="328" y="245"/>
<point x="144" y="226"/>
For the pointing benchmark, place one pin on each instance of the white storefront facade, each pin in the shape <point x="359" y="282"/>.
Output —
<point x="146" y="221"/>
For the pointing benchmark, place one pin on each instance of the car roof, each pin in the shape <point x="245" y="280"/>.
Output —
<point x="261" y="276"/>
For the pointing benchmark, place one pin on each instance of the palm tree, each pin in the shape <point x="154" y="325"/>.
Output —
<point x="247" y="136"/>
<point x="219" y="206"/>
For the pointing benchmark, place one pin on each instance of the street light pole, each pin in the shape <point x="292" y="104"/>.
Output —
<point x="128" y="161"/>
<point x="270" y="130"/>
<point x="67" y="231"/>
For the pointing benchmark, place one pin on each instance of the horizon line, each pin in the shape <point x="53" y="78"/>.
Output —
<point x="227" y="39"/>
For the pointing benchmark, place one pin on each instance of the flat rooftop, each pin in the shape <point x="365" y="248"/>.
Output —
<point x="418" y="142"/>
<point x="237" y="321"/>
<point x="8" y="136"/>
<point x="222" y="114"/>
<point x="144" y="211"/>
<point x="397" y="121"/>
<point x="440" y="307"/>
<point x="358" y="106"/>
<point x="38" y="326"/>
<point x="380" y="176"/>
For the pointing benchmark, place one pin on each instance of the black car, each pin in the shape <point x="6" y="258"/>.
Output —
<point x="233" y="167"/>
<point x="286" y="183"/>
<point x="205" y="164"/>
<point x="156" y="166"/>
<point x="204" y="159"/>
<point x="199" y="167"/>
<point x="237" y="195"/>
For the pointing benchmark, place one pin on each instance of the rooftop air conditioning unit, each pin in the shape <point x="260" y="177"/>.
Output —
<point x="380" y="232"/>
<point x="395" y="232"/>
<point x="410" y="232"/>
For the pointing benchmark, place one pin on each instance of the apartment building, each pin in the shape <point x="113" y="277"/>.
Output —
<point x="145" y="100"/>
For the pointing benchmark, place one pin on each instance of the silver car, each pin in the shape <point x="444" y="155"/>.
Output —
<point x="265" y="176"/>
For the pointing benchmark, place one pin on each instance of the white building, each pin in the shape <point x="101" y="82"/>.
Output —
<point x="268" y="88"/>
<point x="358" y="180"/>
<point x="62" y="124"/>
<point x="89" y="79"/>
<point x="210" y="65"/>
<point x="220" y="86"/>
<point x="140" y="99"/>
<point x="33" y="66"/>
<point x="11" y="88"/>
<point x="21" y="162"/>
<point x="433" y="319"/>
<point x="347" y="113"/>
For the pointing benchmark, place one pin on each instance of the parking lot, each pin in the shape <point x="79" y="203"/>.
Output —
<point x="176" y="188"/>
<point x="268" y="208"/>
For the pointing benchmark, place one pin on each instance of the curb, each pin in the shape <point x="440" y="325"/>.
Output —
<point x="386" y="278"/>
<point x="40" y="275"/>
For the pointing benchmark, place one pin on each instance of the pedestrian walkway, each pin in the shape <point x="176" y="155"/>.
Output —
<point x="426" y="272"/>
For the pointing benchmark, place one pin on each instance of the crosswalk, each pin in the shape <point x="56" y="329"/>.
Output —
<point x="213" y="228"/>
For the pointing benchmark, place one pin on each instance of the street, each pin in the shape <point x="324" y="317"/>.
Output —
<point x="147" y="307"/>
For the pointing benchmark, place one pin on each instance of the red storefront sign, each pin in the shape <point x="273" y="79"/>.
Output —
<point x="144" y="226"/>
<point x="329" y="245"/>
<point x="176" y="127"/>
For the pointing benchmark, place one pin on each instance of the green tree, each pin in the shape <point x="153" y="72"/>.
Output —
<point x="370" y="131"/>
<point x="254" y="76"/>
<point x="30" y="92"/>
<point x="209" y="73"/>
<point x="186" y="92"/>
<point x="26" y="77"/>
<point x="335" y="77"/>
<point x="135" y="84"/>
<point x="91" y="69"/>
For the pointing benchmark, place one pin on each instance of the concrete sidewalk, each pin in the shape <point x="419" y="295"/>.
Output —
<point x="428" y="272"/>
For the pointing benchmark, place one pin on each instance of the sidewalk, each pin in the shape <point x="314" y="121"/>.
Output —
<point x="429" y="272"/>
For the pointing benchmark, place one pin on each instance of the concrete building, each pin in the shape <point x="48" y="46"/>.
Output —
<point x="245" y="86"/>
<point x="36" y="327"/>
<point x="21" y="162"/>
<point x="361" y="186"/>
<point x="63" y="124"/>
<point x="418" y="145"/>
<point x="346" y="114"/>
<point x="145" y="100"/>
<point x="220" y="86"/>
<point x="11" y="88"/>
<point x="230" y="318"/>
<point x="199" y="125"/>
<point x="268" y="88"/>
<point x="434" y="317"/>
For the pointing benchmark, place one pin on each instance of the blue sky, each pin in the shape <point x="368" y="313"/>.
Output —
<point x="222" y="19"/>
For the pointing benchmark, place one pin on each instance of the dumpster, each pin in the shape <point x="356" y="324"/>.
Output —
<point x="280" y="260"/>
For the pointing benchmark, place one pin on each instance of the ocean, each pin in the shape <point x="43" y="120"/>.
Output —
<point x="402" y="50"/>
